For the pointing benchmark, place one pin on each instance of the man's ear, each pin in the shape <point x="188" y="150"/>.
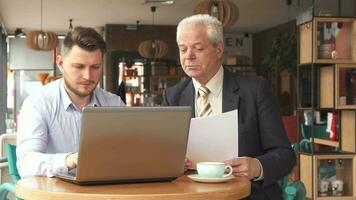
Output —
<point x="59" y="61"/>
<point x="220" y="49"/>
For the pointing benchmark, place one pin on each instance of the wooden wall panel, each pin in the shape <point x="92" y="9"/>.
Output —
<point x="348" y="130"/>
<point x="327" y="87"/>
<point x="306" y="172"/>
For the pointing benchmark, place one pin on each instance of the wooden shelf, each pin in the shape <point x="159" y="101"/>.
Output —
<point x="325" y="142"/>
<point x="346" y="107"/>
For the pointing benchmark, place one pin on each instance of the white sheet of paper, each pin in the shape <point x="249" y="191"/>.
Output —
<point x="213" y="138"/>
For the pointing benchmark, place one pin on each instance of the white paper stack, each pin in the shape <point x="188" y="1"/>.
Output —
<point x="213" y="138"/>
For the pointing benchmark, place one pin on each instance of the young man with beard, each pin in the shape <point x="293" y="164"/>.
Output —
<point x="50" y="120"/>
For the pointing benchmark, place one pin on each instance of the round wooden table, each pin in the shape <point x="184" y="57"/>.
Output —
<point x="40" y="188"/>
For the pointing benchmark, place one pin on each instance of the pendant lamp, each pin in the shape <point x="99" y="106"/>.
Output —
<point x="153" y="48"/>
<point x="41" y="40"/>
<point x="226" y="11"/>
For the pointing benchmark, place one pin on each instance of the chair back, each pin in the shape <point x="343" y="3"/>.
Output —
<point x="290" y="125"/>
<point x="295" y="190"/>
<point x="303" y="145"/>
<point x="11" y="159"/>
<point x="5" y="138"/>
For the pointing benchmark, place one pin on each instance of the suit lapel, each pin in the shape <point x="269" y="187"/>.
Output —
<point x="188" y="96"/>
<point x="230" y="97"/>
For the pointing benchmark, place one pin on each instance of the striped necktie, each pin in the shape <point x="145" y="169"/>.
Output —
<point x="204" y="108"/>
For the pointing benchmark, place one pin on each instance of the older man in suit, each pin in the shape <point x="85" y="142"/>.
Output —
<point x="265" y="154"/>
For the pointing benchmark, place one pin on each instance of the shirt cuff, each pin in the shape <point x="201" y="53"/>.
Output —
<point x="260" y="177"/>
<point x="59" y="164"/>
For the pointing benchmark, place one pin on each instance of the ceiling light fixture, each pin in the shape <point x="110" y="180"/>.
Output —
<point x="226" y="11"/>
<point x="153" y="48"/>
<point x="42" y="40"/>
<point x="158" y="2"/>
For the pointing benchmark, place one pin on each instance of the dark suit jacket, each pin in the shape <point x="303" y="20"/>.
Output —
<point x="261" y="131"/>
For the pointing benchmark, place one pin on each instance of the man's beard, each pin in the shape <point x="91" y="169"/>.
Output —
<point x="77" y="92"/>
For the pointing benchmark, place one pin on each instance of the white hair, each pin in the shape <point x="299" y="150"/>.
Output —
<point x="213" y="26"/>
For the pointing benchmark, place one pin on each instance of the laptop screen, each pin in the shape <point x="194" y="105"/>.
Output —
<point x="132" y="143"/>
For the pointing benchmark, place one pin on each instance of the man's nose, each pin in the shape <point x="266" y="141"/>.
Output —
<point x="86" y="74"/>
<point x="190" y="54"/>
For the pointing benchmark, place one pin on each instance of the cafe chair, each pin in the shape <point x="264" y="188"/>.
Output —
<point x="303" y="145"/>
<point x="295" y="189"/>
<point x="9" y="187"/>
<point x="5" y="138"/>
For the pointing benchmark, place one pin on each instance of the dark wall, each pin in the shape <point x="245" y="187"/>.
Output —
<point x="260" y="47"/>
<point x="262" y="40"/>
<point x="120" y="39"/>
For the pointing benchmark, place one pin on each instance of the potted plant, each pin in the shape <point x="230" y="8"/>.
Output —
<point x="281" y="58"/>
<point x="281" y="55"/>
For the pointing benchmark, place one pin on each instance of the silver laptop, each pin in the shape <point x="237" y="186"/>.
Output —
<point x="131" y="144"/>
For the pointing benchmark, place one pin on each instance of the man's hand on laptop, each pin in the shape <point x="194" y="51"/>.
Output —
<point x="188" y="164"/>
<point x="72" y="160"/>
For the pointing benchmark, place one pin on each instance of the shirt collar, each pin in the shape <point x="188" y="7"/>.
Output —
<point x="65" y="98"/>
<point x="67" y="101"/>
<point x="214" y="84"/>
<point x="94" y="100"/>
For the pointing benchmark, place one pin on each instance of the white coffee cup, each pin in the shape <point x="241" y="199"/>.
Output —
<point x="323" y="186"/>
<point x="337" y="187"/>
<point x="213" y="169"/>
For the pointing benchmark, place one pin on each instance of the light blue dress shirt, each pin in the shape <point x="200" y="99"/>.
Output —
<point x="49" y="126"/>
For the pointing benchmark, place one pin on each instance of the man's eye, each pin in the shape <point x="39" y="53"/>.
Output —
<point x="183" y="50"/>
<point x="78" y="66"/>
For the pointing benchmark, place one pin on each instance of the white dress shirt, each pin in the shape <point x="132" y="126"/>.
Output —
<point x="215" y="96"/>
<point x="49" y="126"/>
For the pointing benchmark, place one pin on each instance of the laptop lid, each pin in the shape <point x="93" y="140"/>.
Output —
<point x="132" y="144"/>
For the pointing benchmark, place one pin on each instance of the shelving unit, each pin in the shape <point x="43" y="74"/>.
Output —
<point x="327" y="87"/>
<point x="145" y="81"/>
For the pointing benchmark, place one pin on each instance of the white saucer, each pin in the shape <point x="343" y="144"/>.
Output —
<point x="196" y="177"/>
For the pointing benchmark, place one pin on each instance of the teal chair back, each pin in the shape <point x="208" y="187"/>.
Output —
<point x="11" y="159"/>
<point x="5" y="188"/>
<point x="303" y="145"/>
<point x="295" y="190"/>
